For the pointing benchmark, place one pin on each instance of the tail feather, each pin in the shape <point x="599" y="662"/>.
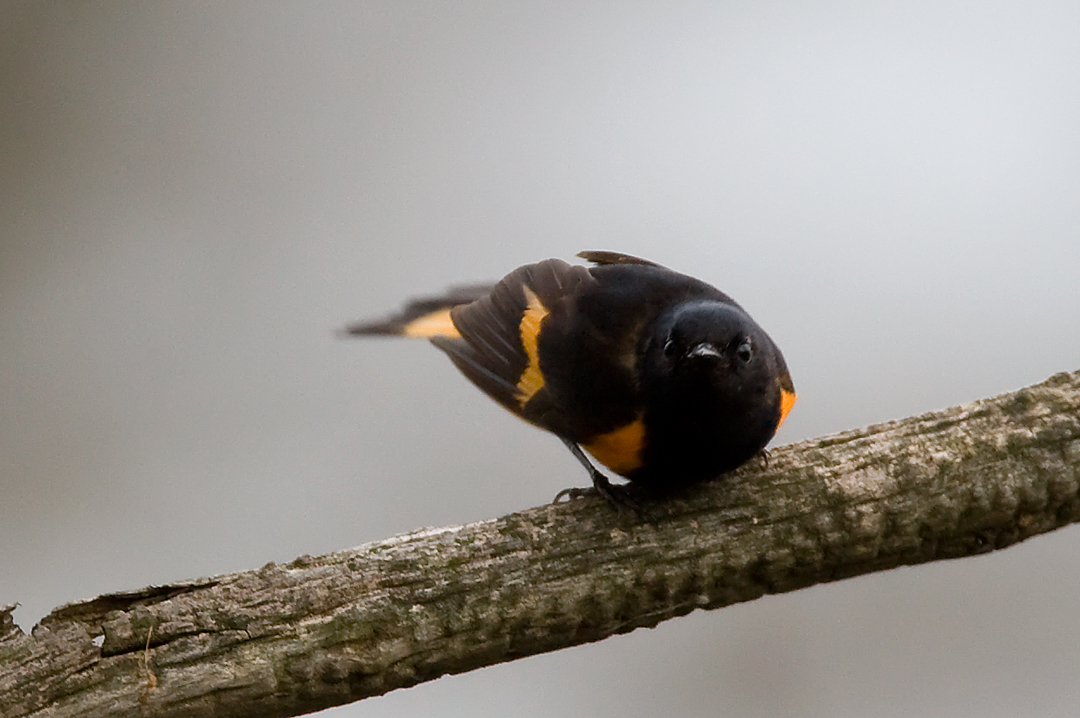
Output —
<point x="425" y="317"/>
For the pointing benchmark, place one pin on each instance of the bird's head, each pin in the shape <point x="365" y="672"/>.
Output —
<point x="711" y="347"/>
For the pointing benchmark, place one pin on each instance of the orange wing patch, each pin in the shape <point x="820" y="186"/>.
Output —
<point x="532" y="380"/>
<point x="620" y="450"/>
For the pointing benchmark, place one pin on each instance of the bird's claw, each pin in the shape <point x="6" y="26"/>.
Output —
<point x="575" y="492"/>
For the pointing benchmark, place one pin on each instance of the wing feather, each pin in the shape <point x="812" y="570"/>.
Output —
<point x="491" y="349"/>
<point x="602" y="257"/>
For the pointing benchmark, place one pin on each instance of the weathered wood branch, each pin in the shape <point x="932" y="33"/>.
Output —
<point x="289" y="639"/>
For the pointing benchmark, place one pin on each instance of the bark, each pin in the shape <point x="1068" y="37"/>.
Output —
<point x="289" y="639"/>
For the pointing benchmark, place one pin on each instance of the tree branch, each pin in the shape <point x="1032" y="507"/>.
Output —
<point x="290" y="639"/>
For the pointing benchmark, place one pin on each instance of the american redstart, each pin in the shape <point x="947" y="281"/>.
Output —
<point x="661" y="377"/>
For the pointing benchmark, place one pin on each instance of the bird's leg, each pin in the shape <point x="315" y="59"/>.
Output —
<point x="763" y="457"/>
<point x="614" y="494"/>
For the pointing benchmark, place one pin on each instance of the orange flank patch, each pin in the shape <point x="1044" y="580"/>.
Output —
<point x="787" y="400"/>
<point x="532" y="380"/>
<point x="436" y="324"/>
<point x="620" y="450"/>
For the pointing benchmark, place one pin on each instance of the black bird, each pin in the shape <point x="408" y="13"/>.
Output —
<point x="661" y="377"/>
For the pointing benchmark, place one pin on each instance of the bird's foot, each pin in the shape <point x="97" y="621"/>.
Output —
<point x="619" y="496"/>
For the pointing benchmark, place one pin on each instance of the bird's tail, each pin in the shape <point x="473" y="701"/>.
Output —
<point x="426" y="317"/>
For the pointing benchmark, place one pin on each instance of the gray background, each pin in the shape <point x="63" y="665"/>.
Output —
<point x="193" y="196"/>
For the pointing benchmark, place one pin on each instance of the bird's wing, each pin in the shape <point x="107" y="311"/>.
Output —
<point x="496" y="345"/>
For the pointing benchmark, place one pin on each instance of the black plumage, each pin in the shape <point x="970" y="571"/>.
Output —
<point x="661" y="377"/>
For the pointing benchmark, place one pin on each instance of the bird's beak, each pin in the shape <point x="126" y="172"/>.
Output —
<point x="704" y="349"/>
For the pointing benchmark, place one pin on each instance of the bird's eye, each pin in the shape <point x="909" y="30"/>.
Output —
<point x="745" y="352"/>
<point x="670" y="348"/>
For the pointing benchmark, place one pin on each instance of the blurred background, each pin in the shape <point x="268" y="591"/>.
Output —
<point x="195" y="196"/>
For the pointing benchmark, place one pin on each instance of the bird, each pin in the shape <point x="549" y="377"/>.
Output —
<point x="660" y="377"/>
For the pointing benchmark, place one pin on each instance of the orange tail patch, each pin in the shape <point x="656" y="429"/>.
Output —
<point x="436" y="324"/>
